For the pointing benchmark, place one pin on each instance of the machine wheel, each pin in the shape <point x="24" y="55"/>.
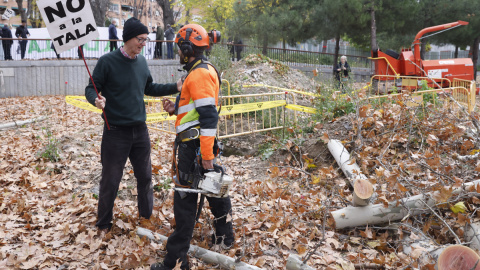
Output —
<point x="392" y="53"/>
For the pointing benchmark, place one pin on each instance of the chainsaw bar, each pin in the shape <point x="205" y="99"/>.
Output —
<point x="191" y="190"/>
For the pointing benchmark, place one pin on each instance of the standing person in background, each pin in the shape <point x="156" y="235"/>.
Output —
<point x="231" y="48"/>
<point x="158" y="45"/>
<point x="169" y="35"/>
<point x="22" y="32"/>
<point x="153" y="30"/>
<point x="112" y="34"/>
<point x="7" y="44"/>
<point x="341" y="72"/>
<point x="238" y="48"/>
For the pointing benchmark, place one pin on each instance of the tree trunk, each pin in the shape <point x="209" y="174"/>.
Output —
<point x="458" y="257"/>
<point x="373" y="29"/>
<point x="377" y="213"/>
<point x="455" y="55"/>
<point x="167" y="10"/>
<point x="472" y="235"/>
<point x="423" y="49"/>
<point x="324" y="48"/>
<point x="21" y="123"/>
<point x="201" y="253"/>
<point x="187" y="16"/>
<point x="356" y="181"/>
<point x="99" y="8"/>
<point x="294" y="262"/>
<point x="265" y="45"/>
<point x="23" y="14"/>
<point x="337" y="49"/>
<point x="475" y="56"/>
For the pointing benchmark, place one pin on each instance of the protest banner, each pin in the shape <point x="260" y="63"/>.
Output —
<point x="70" y="23"/>
<point x="7" y="14"/>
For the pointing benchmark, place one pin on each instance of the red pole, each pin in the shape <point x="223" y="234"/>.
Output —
<point x="94" y="86"/>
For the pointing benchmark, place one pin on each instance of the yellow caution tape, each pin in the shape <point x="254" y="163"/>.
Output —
<point x="283" y="89"/>
<point x="159" y="117"/>
<point x="301" y="108"/>
<point x="251" y="107"/>
<point x="80" y="102"/>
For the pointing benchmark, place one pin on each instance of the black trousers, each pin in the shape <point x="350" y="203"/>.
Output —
<point x="158" y="50"/>
<point x="23" y="47"/>
<point x="113" y="45"/>
<point x="118" y="144"/>
<point x="7" y="50"/>
<point x="185" y="210"/>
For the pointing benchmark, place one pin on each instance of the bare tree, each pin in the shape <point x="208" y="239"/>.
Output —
<point x="168" y="11"/>
<point x="138" y="9"/>
<point x="23" y="14"/>
<point x="33" y="14"/>
<point x="99" y="8"/>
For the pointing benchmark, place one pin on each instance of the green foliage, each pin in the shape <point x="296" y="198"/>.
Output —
<point x="50" y="151"/>
<point x="331" y="104"/>
<point x="165" y="185"/>
<point x="220" y="57"/>
<point x="107" y="22"/>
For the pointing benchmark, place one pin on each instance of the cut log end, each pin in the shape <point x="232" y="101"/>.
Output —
<point x="458" y="257"/>
<point x="362" y="192"/>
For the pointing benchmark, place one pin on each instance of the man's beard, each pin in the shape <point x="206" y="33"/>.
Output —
<point x="183" y="60"/>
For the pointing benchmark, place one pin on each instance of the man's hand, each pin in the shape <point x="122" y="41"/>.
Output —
<point x="168" y="106"/>
<point x="179" y="84"/>
<point x="100" y="102"/>
<point x="338" y="69"/>
<point x="207" y="164"/>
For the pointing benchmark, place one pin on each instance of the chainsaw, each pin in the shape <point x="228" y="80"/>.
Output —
<point x="211" y="183"/>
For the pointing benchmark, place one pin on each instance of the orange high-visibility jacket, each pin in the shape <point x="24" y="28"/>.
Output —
<point x="198" y="105"/>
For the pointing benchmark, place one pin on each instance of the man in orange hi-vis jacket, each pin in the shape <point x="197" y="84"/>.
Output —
<point x="196" y="128"/>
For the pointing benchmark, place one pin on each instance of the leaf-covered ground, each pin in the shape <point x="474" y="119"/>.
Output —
<point x="48" y="207"/>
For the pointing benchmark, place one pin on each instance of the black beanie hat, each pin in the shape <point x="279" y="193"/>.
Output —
<point x="132" y="28"/>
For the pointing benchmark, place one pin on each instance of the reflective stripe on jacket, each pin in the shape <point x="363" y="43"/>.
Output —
<point x="198" y="106"/>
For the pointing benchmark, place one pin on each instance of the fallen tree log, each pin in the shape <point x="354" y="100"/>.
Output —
<point x="377" y="214"/>
<point x="203" y="254"/>
<point x="458" y="257"/>
<point x="472" y="235"/>
<point x="20" y="123"/>
<point x="294" y="262"/>
<point x="362" y="188"/>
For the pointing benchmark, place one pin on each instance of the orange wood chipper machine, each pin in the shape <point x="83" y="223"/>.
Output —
<point x="390" y="65"/>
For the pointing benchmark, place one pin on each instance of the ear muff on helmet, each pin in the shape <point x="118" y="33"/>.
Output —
<point x="215" y="36"/>
<point x="186" y="46"/>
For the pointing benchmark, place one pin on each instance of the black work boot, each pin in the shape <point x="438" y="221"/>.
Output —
<point x="159" y="266"/>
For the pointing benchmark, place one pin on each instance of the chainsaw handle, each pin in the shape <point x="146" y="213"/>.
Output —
<point x="216" y="168"/>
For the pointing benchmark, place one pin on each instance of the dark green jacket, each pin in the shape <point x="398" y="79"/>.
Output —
<point x="124" y="82"/>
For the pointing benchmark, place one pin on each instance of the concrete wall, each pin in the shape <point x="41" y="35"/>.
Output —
<point x="48" y="77"/>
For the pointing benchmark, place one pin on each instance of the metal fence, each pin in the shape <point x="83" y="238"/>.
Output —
<point x="239" y="114"/>
<point x="417" y="91"/>
<point x="298" y="57"/>
<point x="41" y="49"/>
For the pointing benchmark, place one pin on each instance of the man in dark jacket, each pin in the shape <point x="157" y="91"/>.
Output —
<point x="158" y="45"/>
<point x="7" y="44"/>
<point x="169" y="35"/>
<point x="112" y="34"/>
<point x="238" y="48"/>
<point x="123" y="78"/>
<point x="22" y="32"/>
